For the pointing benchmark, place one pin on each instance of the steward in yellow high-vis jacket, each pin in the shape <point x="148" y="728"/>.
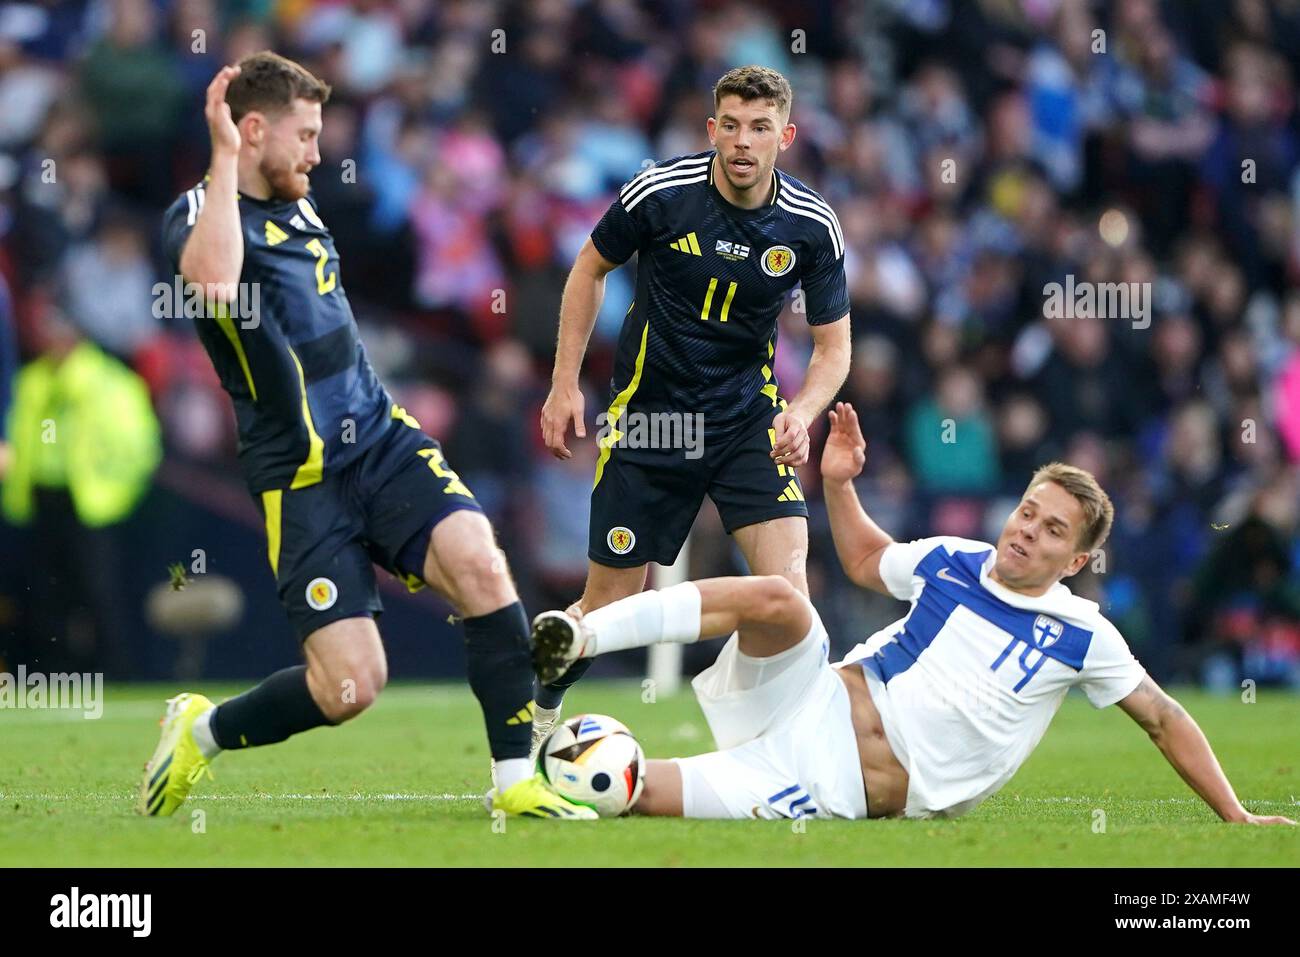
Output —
<point x="82" y="422"/>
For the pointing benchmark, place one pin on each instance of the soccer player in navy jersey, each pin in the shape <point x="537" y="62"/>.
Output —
<point x="344" y="476"/>
<point x="723" y="238"/>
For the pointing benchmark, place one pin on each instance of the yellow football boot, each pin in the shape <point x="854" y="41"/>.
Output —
<point x="177" y="764"/>
<point x="532" y="797"/>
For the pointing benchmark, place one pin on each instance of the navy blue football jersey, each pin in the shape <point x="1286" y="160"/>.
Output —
<point x="711" y="281"/>
<point x="306" y="399"/>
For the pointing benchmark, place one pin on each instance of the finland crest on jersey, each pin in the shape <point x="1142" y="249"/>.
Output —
<point x="1047" y="631"/>
<point x="968" y="680"/>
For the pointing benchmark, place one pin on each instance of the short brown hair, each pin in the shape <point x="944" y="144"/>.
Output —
<point x="269" y="83"/>
<point x="755" y="83"/>
<point x="1098" y="512"/>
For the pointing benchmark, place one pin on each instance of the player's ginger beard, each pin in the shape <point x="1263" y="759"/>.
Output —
<point x="281" y="172"/>
<point x="284" y="181"/>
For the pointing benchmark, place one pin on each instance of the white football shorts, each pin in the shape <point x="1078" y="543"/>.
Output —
<point x="785" y="733"/>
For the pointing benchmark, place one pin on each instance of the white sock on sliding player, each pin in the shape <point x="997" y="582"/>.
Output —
<point x="650" y="618"/>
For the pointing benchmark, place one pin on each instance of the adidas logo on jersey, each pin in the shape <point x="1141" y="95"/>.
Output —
<point x="730" y="250"/>
<point x="687" y="244"/>
<point x="274" y="234"/>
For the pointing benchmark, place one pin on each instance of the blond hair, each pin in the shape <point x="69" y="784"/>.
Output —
<point x="755" y="83"/>
<point x="1098" y="512"/>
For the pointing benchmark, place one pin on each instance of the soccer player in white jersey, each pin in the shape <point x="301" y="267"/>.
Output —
<point x="934" y="712"/>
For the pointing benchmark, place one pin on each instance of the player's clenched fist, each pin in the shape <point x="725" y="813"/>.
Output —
<point x="791" y="442"/>
<point x="846" y="450"/>
<point x="563" y="404"/>
<point x="221" y="126"/>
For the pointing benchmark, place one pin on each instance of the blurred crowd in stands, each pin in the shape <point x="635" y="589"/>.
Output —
<point x="975" y="152"/>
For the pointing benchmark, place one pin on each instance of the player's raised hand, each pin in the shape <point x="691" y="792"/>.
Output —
<point x="846" y="450"/>
<point x="564" y="404"/>
<point x="791" y="444"/>
<point x="221" y="125"/>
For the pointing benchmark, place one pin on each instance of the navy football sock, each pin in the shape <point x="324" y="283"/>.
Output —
<point x="550" y="696"/>
<point x="280" y="706"/>
<point x="500" y="669"/>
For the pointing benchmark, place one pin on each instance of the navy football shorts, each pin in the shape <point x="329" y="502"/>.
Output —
<point x="324" y="540"/>
<point x="645" y="500"/>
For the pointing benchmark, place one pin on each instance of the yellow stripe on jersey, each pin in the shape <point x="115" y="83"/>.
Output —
<point x="221" y="313"/>
<point x="313" y="469"/>
<point x="618" y="407"/>
<point x="271" y="500"/>
<point x="771" y="437"/>
<point x="769" y="389"/>
<point x="695" y="245"/>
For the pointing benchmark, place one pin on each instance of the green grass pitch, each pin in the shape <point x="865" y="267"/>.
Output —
<point x="399" y="785"/>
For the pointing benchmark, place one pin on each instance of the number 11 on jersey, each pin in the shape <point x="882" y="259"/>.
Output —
<point x="726" y="303"/>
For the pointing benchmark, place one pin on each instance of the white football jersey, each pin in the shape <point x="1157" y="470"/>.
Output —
<point x="967" y="682"/>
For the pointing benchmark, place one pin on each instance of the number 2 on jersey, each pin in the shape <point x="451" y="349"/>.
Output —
<point x="324" y="283"/>
<point x="726" y="303"/>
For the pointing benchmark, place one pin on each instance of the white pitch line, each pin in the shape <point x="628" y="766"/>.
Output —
<point x="447" y="796"/>
<point x="135" y="709"/>
<point x="1172" y="800"/>
<point x="131" y="795"/>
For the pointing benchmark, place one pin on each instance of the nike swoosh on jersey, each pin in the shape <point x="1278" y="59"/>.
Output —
<point x="943" y="573"/>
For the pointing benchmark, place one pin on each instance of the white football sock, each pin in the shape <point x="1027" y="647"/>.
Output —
<point x="511" y="771"/>
<point x="650" y="618"/>
<point x="202" y="731"/>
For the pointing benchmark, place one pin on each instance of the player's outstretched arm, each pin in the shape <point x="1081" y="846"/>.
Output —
<point x="827" y="370"/>
<point x="583" y="292"/>
<point x="859" y="542"/>
<point x="1183" y="744"/>
<point x="213" y="255"/>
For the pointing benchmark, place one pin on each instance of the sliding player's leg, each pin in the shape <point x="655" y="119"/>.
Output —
<point x="768" y="612"/>
<point x="661" y="795"/>
<point x="775" y="707"/>
<point x="643" y="503"/>
<point x="605" y="585"/>
<point x="719" y="784"/>
<point x="779" y="714"/>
